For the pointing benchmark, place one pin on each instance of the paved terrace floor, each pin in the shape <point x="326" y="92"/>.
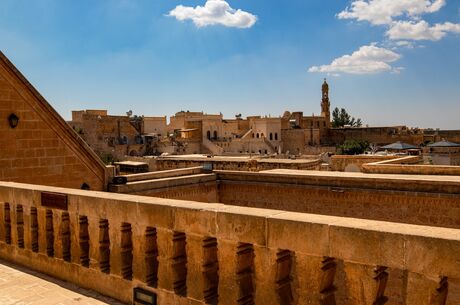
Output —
<point x="20" y="286"/>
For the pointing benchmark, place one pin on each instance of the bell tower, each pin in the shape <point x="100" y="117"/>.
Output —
<point x="325" y="104"/>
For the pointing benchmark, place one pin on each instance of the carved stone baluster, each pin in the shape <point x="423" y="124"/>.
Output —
<point x="83" y="236"/>
<point x="126" y="251"/>
<point x="245" y="274"/>
<point x="439" y="297"/>
<point x="210" y="271"/>
<point x="104" y="246"/>
<point x="65" y="236"/>
<point x="151" y="257"/>
<point x="49" y="233"/>
<point x="20" y="225"/>
<point x="179" y="264"/>
<point x="34" y="229"/>
<point x="381" y="278"/>
<point x="327" y="287"/>
<point x="7" y="218"/>
<point x="283" y="276"/>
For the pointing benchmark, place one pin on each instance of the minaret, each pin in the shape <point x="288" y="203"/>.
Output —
<point x="325" y="104"/>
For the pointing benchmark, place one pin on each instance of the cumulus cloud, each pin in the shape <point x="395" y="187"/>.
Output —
<point x="369" y="59"/>
<point x="421" y="30"/>
<point x="381" y="12"/>
<point x="214" y="12"/>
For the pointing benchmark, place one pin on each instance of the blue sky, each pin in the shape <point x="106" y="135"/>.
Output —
<point x="159" y="57"/>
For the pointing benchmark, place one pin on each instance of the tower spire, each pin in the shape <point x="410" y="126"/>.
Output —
<point x="325" y="104"/>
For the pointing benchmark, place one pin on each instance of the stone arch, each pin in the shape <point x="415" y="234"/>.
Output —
<point x="133" y="153"/>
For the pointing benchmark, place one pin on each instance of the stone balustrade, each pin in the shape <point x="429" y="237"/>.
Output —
<point x="200" y="253"/>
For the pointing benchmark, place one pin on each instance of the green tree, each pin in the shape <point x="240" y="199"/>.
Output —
<point x="340" y="118"/>
<point x="353" y="147"/>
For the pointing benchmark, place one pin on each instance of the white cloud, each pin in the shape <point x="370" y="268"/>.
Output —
<point x="214" y="12"/>
<point x="367" y="60"/>
<point x="404" y="43"/>
<point x="383" y="11"/>
<point x="421" y="30"/>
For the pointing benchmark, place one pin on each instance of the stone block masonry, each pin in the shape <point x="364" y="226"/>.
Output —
<point x="41" y="148"/>
<point x="201" y="253"/>
<point x="415" y="199"/>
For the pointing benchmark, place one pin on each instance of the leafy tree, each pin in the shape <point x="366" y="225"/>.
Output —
<point x="353" y="147"/>
<point x="340" y="118"/>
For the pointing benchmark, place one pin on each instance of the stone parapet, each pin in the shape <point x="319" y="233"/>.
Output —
<point x="201" y="253"/>
<point x="164" y="174"/>
<point x="405" y="166"/>
<point x="346" y="163"/>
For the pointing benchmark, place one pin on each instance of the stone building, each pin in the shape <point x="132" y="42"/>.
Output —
<point x="275" y="237"/>
<point x="443" y="153"/>
<point x="154" y="125"/>
<point x="36" y="144"/>
<point x="110" y="136"/>
<point x="188" y="132"/>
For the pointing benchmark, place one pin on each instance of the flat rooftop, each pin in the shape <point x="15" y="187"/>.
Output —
<point x="354" y="175"/>
<point x="202" y="158"/>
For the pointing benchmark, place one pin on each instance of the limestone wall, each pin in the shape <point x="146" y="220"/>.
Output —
<point x="197" y="253"/>
<point x="227" y="163"/>
<point x="107" y="135"/>
<point x="398" y="198"/>
<point x="344" y="163"/>
<point x="376" y="135"/>
<point x="295" y="140"/>
<point x="155" y="125"/>
<point x="404" y="166"/>
<point x="42" y="148"/>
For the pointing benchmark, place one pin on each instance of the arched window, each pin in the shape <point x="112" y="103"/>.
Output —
<point x="208" y="135"/>
<point x="276" y="136"/>
<point x="215" y="135"/>
<point x="271" y="136"/>
<point x="262" y="135"/>
<point x="257" y="136"/>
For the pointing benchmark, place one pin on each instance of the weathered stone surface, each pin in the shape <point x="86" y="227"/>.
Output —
<point x="42" y="148"/>
<point x="207" y="252"/>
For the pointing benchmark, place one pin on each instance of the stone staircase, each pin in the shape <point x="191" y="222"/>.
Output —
<point x="247" y="134"/>
<point x="212" y="148"/>
<point x="272" y="148"/>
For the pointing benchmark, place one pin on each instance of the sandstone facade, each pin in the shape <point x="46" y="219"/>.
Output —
<point x="200" y="253"/>
<point x="42" y="148"/>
